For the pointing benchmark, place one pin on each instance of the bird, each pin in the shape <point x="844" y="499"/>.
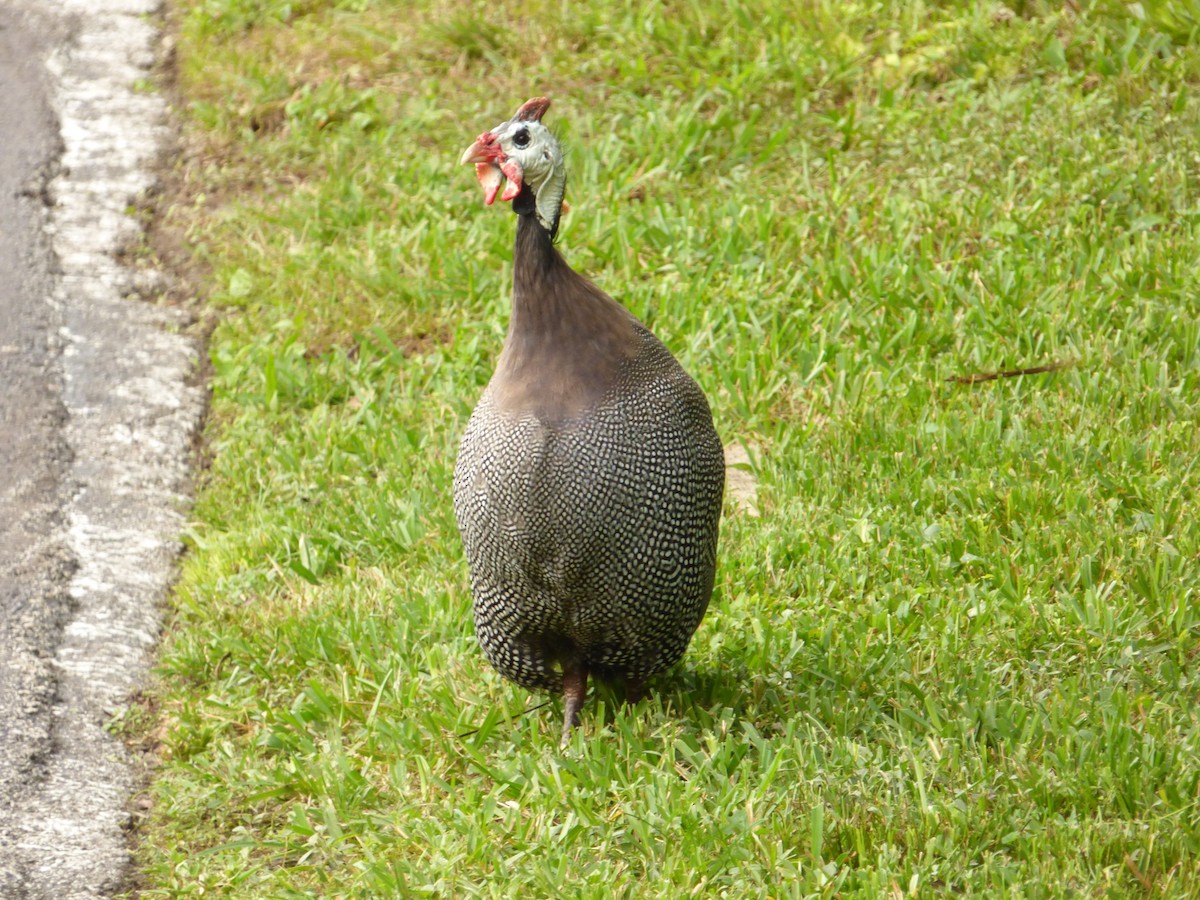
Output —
<point x="589" y="480"/>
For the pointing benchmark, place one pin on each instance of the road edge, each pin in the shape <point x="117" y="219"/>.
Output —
<point x="133" y="406"/>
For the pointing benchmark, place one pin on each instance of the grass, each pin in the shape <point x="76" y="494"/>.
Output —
<point x="957" y="652"/>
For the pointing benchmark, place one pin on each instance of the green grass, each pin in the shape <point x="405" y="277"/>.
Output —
<point x="958" y="651"/>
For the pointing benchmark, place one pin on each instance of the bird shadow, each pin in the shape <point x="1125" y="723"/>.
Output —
<point x="701" y="694"/>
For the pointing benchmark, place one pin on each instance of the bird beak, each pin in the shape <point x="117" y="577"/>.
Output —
<point x="486" y="154"/>
<point x="483" y="150"/>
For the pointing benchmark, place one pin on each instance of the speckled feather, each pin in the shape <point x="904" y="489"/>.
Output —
<point x="588" y="487"/>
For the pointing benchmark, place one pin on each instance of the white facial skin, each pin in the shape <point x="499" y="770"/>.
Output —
<point x="525" y="152"/>
<point x="534" y="148"/>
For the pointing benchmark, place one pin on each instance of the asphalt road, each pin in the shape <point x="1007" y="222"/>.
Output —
<point x="34" y="564"/>
<point x="97" y="411"/>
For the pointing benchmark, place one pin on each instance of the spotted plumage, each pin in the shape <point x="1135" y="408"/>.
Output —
<point x="589" y="481"/>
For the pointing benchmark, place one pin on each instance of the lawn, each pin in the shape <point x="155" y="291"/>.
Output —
<point x="953" y="649"/>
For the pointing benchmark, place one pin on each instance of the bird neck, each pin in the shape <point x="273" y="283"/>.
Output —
<point x="566" y="338"/>
<point x="542" y="280"/>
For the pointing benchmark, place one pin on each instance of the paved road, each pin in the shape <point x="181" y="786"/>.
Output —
<point x="34" y="458"/>
<point x="96" y="417"/>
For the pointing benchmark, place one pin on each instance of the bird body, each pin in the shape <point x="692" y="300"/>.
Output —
<point x="589" y="480"/>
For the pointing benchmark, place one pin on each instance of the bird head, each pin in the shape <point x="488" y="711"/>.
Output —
<point x="523" y="152"/>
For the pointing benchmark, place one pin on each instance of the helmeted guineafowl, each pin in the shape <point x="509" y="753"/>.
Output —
<point x="589" y="481"/>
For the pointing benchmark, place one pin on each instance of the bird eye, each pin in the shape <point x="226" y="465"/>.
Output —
<point x="521" y="138"/>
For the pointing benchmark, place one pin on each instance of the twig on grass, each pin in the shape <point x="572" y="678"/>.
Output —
<point x="524" y="712"/>
<point x="1145" y="882"/>
<point x="977" y="377"/>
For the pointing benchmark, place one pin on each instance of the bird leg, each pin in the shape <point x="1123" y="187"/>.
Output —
<point x="635" y="689"/>
<point x="574" y="692"/>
